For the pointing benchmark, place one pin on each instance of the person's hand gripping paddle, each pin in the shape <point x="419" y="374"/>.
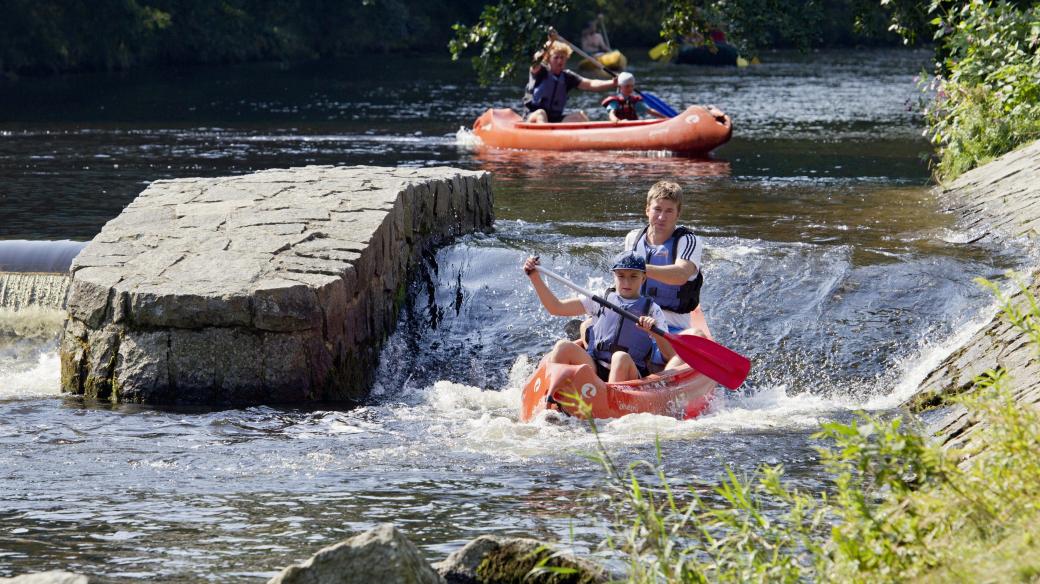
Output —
<point x="710" y="358"/>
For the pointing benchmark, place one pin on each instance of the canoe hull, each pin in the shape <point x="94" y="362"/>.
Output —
<point x="694" y="131"/>
<point x="682" y="393"/>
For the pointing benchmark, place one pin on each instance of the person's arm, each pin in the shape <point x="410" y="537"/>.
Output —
<point x="689" y="253"/>
<point x="676" y="274"/>
<point x="555" y="306"/>
<point x="612" y="109"/>
<point x="655" y="113"/>
<point x="597" y="84"/>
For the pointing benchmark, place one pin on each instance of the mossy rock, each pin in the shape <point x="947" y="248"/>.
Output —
<point x="489" y="559"/>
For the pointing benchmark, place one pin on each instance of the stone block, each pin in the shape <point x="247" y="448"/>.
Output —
<point x="142" y="367"/>
<point x="274" y="287"/>
<point x="284" y="305"/>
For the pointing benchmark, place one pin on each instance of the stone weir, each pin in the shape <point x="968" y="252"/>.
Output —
<point x="999" y="201"/>
<point x="273" y="287"/>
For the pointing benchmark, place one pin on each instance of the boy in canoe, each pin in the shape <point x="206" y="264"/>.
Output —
<point x="617" y="349"/>
<point x="626" y="104"/>
<point x="549" y="83"/>
<point x="673" y="256"/>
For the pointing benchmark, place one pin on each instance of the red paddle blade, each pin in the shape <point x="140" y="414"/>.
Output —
<point x="712" y="359"/>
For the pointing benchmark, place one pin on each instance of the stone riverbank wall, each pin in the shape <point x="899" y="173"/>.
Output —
<point x="273" y="287"/>
<point x="999" y="201"/>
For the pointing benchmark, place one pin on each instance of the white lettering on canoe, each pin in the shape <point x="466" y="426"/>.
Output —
<point x="692" y="119"/>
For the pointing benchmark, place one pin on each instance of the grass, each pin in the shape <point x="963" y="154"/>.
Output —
<point x="902" y="508"/>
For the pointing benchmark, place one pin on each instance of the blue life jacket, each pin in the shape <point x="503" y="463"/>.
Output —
<point x="550" y="94"/>
<point x="613" y="333"/>
<point x="680" y="299"/>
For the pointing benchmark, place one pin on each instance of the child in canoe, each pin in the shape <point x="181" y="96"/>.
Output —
<point x="626" y="104"/>
<point x="618" y="349"/>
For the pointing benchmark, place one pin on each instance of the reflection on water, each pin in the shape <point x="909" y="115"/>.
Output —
<point x="827" y="262"/>
<point x="38" y="256"/>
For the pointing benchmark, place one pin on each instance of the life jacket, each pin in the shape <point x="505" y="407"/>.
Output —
<point x="680" y="299"/>
<point x="627" y="109"/>
<point x="550" y="94"/>
<point x="613" y="333"/>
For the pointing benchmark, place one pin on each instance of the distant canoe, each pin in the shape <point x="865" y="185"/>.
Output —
<point x="614" y="60"/>
<point x="721" y="55"/>
<point x="694" y="131"/>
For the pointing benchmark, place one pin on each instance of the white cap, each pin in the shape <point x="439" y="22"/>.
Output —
<point x="626" y="78"/>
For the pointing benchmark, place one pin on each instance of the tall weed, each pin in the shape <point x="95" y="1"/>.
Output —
<point x="901" y="508"/>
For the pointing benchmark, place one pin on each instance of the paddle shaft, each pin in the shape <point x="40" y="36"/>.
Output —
<point x="595" y="61"/>
<point x="598" y="299"/>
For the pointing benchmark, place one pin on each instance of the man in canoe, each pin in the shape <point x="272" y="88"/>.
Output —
<point x="592" y="41"/>
<point x="626" y="104"/>
<point x="549" y="83"/>
<point x="673" y="259"/>
<point x="616" y="348"/>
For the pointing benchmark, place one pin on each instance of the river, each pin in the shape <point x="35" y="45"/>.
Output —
<point x="828" y="263"/>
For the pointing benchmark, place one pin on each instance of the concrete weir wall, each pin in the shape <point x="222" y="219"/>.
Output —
<point x="999" y="201"/>
<point x="273" y="287"/>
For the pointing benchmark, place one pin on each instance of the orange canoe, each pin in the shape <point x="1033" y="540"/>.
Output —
<point x="680" y="393"/>
<point x="694" y="131"/>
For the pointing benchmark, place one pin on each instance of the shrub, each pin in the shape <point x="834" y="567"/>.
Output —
<point x="987" y="84"/>
<point x="901" y="508"/>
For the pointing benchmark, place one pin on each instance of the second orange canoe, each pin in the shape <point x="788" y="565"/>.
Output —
<point x="694" y="131"/>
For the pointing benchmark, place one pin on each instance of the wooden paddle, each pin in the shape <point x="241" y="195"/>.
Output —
<point x="651" y="99"/>
<point x="710" y="358"/>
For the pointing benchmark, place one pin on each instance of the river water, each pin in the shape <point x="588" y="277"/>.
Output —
<point x="828" y="263"/>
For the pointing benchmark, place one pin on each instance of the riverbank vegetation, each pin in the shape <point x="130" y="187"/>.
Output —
<point x="901" y="508"/>
<point x="48" y="36"/>
<point x="986" y="82"/>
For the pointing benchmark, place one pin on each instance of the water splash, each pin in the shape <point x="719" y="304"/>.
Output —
<point x="20" y="290"/>
<point x="31" y="323"/>
<point x="41" y="378"/>
<point x="467" y="140"/>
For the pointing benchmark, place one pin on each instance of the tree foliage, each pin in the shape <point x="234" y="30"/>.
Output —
<point x="38" y="36"/>
<point x="986" y="83"/>
<point x="509" y="31"/>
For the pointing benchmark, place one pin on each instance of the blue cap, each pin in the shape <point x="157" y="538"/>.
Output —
<point x="629" y="260"/>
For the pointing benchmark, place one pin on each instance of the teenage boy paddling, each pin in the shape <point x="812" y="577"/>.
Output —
<point x="673" y="258"/>
<point x="617" y="348"/>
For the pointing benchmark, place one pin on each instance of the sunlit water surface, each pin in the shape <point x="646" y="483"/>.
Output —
<point x="829" y="264"/>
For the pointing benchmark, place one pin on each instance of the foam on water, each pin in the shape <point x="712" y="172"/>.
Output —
<point x="918" y="366"/>
<point x="39" y="379"/>
<point x="466" y="139"/>
<point x="33" y="322"/>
